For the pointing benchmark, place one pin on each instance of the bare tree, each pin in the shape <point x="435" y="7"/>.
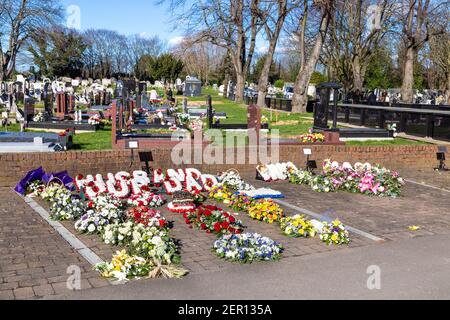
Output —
<point x="417" y="30"/>
<point x="200" y="58"/>
<point x="233" y="25"/>
<point x="18" y="19"/>
<point x="273" y="26"/>
<point x="300" y="99"/>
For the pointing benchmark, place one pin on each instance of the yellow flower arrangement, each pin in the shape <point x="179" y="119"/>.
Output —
<point x="221" y="193"/>
<point x="297" y="226"/>
<point x="266" y="210"/>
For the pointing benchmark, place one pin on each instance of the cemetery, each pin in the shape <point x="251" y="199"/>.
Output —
<point x="253" y="150"/>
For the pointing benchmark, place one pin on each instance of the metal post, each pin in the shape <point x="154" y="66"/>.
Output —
<point x="335" y="109"/>
<point x="381" y="119"/>
<point x="403" y="119"/>
<point x="363" y="117"/>
<point x="430" y="125"/>
<point x="210" y="112"/>
<point x="347" y="114"/>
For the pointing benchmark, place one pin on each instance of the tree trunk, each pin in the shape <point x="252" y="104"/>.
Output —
<point x="240" y="84"/>
<point x="300" y="99"/>
<point x="264" y="78"/>
<point x="408" y="77"/>
<point x="358" y="74"/>
<point x="447" y="92"/>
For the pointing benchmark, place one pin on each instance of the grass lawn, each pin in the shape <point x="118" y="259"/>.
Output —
<point x="100" y="140"/>
<point x="395" y="142"/>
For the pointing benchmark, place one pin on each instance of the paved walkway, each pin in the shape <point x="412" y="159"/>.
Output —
<point x="35" y="258"/>
<point x="409" y="269"/>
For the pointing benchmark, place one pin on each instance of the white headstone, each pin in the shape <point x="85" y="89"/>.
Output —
<point x="38" y="140"/>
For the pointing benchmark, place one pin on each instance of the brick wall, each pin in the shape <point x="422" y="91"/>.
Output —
<point x="15" y="166"/>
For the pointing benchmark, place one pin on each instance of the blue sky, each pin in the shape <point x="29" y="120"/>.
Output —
<point x="126" y="16"/>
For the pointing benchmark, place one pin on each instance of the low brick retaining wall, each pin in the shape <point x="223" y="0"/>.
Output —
<point x="15" y="166"/>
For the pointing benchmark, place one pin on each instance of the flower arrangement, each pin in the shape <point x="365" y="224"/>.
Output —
<point x="51" y="191"/>
<point x="300" y="177"/>
<point x="147" y="217"/>
<point x="275" y="171"/>
<point x="103" y="210"/>
<point x="146" y="199"/>
<point x="246" y="248"/>
<point x="182" y="202"/>
<point x="124" y="267"/>
<point x="35" y="188"/>
<point x="266" y="210"/>
<point x="39" y="117"/>
<point x="155" y="244"/>
<point x="241" y="202"/>
<point x="94" y="120"/>
<point x="323" y="184"/>
<point x="362" y="178"/>
<point x="264" y="119"/>
<point x="297" y="226"/>
<point x="232" y="180"/>
<point x="65" y="207"/>
<point x="312" y="137"/>
<point x="221" y="193"/>
<point x="334" y="233"/>
<point x="184" y="117"/>
<point x="214" y="220"/>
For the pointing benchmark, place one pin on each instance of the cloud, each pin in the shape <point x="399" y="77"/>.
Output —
<point x="262" y="49"/>
<point x="176" y="40"/>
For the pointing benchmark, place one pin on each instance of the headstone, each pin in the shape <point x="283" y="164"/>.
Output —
<point x="185" y="105"/>
<point x="38" y="140"/>
<point x="210" y="112"/>
<point x="29" y="110"/>
<point x="254" y="118"/>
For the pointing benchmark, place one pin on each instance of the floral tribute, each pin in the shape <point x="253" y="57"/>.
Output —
<point x="233" y="181"/>
<point x="124" y="267"/>
<point x="246" y="248"/>
<point x="312" y="137"/>
<point x="275" y="172"/>
<point x="363" y="178"/>
<point x="35" y="188"/>
<point x="66" y="207"/>
<point x="146" y="199"/>
<point x="334" y="233"/>
<point x="240" y="202"/>
<point x="94" y="120"/>
<point x="103" y="210"/>
<point x="182" y="202"/>
<point x="297" y="226"/>
<point x="221" y="193"/>
<point x="214" y="220"/>
<point x="147" y="217"/>
<point x="372" y="180"/>
<point x="266" y="210"/>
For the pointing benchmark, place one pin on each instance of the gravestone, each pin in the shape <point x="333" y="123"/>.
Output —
<point x="29" y="110"/>
<point x="321" y="109"/>
<point x="185" y="105"/>
<point x="254" y="118"/>
<point x="61" y="106"/>
<point x="210" y="112"/>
